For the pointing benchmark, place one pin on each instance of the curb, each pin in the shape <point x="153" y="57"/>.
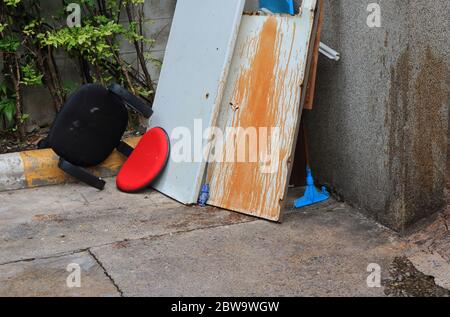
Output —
<point x="36" y="168"/>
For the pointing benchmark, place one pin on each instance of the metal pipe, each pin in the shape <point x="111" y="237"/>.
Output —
<point x="329" y="52"/>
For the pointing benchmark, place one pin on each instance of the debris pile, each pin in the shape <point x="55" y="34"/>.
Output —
<point x="248" y="76"/>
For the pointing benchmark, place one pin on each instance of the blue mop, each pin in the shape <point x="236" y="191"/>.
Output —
<point x="312" y="196"/>
<point x="278" y="6"/>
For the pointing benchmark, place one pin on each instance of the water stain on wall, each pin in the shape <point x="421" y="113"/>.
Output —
<point x="396" y="116"/>
<point x="417" y="124"/>
<point x="429" y="133"/>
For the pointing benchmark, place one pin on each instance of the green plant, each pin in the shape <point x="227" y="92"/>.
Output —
<point x="29" y="41"/>
<point x="96" y="44"/>
<point x="8" y="110"/>
<point x="30" y="76"/>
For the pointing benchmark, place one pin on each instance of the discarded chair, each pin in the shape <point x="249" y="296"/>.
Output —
<point x="90" y="126"/>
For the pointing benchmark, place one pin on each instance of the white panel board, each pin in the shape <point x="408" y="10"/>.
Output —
<point x="190" y="88"/>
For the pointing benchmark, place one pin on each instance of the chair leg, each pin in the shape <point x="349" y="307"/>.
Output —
<point x="125" y="149"/>
<point x="81" y="174"/>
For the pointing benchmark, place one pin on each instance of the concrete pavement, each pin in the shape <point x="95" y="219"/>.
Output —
<point x="149" y="245"/>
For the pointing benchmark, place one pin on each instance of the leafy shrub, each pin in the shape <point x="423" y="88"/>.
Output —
<point x="28" y="43"/>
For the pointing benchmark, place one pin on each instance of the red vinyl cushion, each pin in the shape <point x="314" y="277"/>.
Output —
<point x="145" y="163"/>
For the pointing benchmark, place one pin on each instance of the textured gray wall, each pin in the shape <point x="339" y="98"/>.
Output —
<point x="378" y="132"/>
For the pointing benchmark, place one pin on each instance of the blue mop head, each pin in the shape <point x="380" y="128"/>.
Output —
<point x="312" y="196"/>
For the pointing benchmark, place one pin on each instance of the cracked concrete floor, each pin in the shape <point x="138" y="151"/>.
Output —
<point x="149" y="245"/>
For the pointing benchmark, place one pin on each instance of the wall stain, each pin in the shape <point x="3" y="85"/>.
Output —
<point x="429" y="134"/>
<point x="417" y="146"/>
<point x="395" y="121"/>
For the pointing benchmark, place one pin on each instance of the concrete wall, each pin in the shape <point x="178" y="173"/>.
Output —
<point x="378" y="132"/>
<point x="158" y="14"/>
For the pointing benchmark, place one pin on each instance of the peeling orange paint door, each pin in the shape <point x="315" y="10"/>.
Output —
<point x="263" y="96"/>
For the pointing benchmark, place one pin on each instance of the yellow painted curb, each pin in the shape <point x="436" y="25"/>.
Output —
<point x="40" y="167"/>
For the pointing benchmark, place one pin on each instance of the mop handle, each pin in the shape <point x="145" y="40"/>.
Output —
<point x="305" y="140"/>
